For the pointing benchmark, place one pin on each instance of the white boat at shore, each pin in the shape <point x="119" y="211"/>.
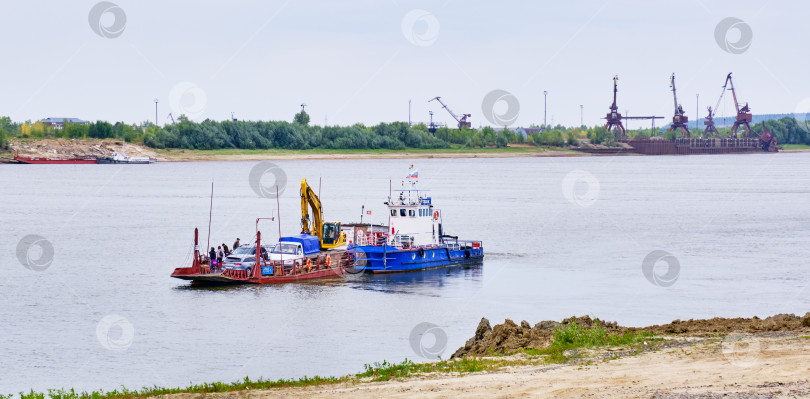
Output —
<point x="118" y="157"/>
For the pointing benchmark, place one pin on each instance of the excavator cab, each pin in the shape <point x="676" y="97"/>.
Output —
<point x="332" y="236"/>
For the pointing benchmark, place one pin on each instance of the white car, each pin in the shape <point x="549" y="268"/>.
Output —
<point x="288" y="253"/>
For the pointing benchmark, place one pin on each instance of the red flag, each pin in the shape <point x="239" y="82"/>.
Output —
<point x="368" y="212"/>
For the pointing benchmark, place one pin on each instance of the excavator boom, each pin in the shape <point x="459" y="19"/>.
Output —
<point x="328" y="234"/>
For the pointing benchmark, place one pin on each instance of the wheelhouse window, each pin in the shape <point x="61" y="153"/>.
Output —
<point x="402" y="212"/>
<point x="411" y="213"/>
<point x="393" y="212"/>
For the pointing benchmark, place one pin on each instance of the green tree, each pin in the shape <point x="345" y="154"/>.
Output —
<point x="572" y="140"/>
<point x="3" y="139"/>
<point x="302" y="118"/>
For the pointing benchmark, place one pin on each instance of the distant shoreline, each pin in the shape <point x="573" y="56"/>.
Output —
<point x="63" y="148"/>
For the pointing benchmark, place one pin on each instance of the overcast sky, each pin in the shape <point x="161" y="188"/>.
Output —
<point x="361" y="61"/>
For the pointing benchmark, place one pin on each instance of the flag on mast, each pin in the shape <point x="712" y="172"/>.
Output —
<point x="413" y="174"/>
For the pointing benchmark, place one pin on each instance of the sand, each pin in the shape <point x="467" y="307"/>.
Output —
<point x="771" y="364"/>
<point x="64" y="148"/>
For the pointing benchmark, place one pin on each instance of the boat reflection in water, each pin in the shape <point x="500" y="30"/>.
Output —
<point x="419" y="280"/>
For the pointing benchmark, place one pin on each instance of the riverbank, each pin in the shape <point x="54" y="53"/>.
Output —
<point x="573" y="358"/>
<point x="63" y="148"/>
<point x="687" y="367"/>
<point x="413" y="153"/>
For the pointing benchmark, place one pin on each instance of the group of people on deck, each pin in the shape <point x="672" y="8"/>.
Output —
<point x="215" y="256"/>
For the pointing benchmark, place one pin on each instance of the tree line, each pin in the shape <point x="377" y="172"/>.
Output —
<point x="300" y="135"/>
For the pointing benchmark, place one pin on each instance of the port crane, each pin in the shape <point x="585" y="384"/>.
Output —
<point x="432" y="127"/>
<point x="743" y="117"/>
<point x="328" y="233"/>
<point x="614" y="118"/>
<point x="462" y="121"/>
<point x="679" y="119"/>
<point x="709" y="122"/>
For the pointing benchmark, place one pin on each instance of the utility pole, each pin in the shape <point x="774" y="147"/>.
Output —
<point x="581" y="111"/>
<point x="409" y="113"/>
<point x="545" y="107"/>
<point x="156" y="112"/>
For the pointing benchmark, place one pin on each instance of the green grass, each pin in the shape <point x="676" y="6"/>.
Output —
<point x="125" y="393"/>
<point x="572" y="336"/>
<point x="795" y="146"/>
<point x="385" y="371"/>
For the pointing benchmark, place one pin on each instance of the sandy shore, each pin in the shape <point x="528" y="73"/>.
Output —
<point x="63" y="148"/>
<point x="200" y="157"/>
<point x="772" y="364"/>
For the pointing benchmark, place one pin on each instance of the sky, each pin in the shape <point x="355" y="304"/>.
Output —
<point x="363" y="61"/>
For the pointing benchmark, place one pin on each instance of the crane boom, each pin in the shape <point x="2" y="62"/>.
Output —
<point x="453" y="114"/>
<point x="462" y="121"/>
<point x="723" y="92"/>
<point x="733" y="93"/>
<point x="674" y="94"/>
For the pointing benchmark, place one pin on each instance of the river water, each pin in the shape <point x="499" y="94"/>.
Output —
<point x="563" y="236"/>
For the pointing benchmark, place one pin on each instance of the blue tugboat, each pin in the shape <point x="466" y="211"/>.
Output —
<point x="414" y="239"/>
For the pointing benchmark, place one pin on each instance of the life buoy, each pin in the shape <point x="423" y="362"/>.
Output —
<point x="328" y="261"/>
<point x="309" y="264"/>
<point x="421" y="252"/>
<point x="435" y="215"/>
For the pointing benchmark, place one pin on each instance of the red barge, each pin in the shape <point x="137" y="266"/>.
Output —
<point x="327" y="258"/>
<point x="326" y="264"/>
<point x="72" y="161"/>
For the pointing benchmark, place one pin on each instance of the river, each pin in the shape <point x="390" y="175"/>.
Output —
<point x="563" y="236"/>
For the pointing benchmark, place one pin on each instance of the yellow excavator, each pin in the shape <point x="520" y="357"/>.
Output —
<point x="328" y="233"/>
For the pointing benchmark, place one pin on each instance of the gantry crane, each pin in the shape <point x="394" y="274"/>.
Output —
<point x="462" y="122"/>
<point x="679" y="120"/>
<point x="614" y="118"/>
<point x="744" y="116"/>
<point x="709" y="122"/>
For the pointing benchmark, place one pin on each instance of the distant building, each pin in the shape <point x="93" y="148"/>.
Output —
<point x="58" y="123"/>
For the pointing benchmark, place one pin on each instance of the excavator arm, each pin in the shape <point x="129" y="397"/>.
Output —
<point x="309" y="199"/>
<point x="334" y="237"/>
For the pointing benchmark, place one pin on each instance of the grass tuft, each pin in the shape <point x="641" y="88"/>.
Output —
<point x="572" y="336"/>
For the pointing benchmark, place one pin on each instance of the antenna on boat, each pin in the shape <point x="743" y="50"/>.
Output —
<point x="210" y="212"/>
<point x="278" y="209"/>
